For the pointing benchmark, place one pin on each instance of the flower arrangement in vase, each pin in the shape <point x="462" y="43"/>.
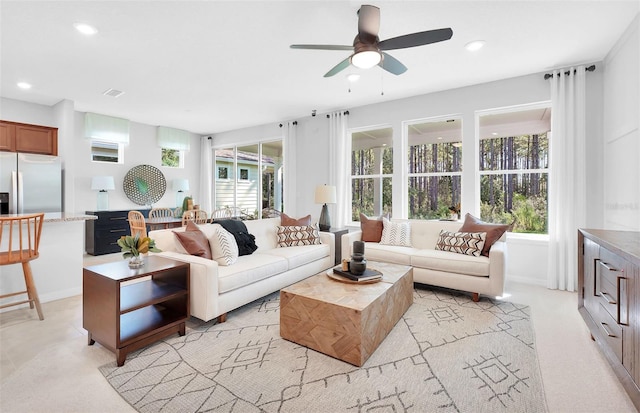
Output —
<point x="133" y="246"/>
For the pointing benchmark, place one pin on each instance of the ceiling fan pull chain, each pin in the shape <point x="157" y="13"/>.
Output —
<point x="381" y="83"/>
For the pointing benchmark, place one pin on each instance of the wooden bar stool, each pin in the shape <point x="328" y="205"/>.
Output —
<point x="19" y="243"/>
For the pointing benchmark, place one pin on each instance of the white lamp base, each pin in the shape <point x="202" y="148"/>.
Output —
<point x="103" y="200"/>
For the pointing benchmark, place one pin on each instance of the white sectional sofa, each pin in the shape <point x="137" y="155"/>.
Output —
<point x="217" y="289"/>
<point x="478" y="275"/>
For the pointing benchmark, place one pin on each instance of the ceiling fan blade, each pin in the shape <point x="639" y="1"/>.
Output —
<point x="416" y="39"/>
<point x="392" y="65"/>
<point x="369" y="20"/>
<point x="321" y="47"/>
<point x="339" y="67"/>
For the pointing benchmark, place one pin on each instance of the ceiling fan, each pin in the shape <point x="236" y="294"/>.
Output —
<point x="369" y="51"/>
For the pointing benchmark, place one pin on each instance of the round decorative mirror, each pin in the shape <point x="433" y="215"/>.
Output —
<point x="144" y="184"/>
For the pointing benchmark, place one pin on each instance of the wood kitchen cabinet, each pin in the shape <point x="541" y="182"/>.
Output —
<point x="609" y="299"/>
<point x="22" y="137"/>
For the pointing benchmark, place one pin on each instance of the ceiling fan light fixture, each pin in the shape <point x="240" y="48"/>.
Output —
<point x="366" y="59"/>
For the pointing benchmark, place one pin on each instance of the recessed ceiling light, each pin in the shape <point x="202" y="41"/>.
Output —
<point x="494" y="133"/>
<point x="474" y="45"/>
<point x="439" y="138"/>
<point x="24" y="85"/>
<point x="85" y="29"/>
<point x="353" y="77"/>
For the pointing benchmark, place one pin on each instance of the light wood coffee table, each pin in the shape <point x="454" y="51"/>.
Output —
<point x="343" y="320"/>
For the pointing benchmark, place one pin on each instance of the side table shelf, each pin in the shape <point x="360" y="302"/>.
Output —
<point x="127" y="309"/>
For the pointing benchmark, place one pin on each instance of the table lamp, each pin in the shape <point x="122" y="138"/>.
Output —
<point x="325" y="194"/>
<point x="180" y="185"/>
<point x="102" y="184"/>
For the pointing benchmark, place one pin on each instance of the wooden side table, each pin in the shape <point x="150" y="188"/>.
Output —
<point x="338" y="232"/>
<point x="125" y="317"/>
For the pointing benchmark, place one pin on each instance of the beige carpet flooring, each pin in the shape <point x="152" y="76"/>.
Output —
<point x="46" y="366"/>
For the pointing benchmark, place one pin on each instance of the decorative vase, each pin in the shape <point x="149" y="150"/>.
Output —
<point x="358" y="264"/>
<point x="136" y="261"/>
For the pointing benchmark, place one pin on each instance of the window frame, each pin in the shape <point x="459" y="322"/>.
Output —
<point x="120" y="149"/>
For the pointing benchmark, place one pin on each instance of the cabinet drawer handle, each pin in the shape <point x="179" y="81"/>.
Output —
<point x="117" y="218"/>
<point x="605" y="265"/>
<point x="118" y="230"/>
<point x="607" y="297"/>
<point x="606" y="330"/>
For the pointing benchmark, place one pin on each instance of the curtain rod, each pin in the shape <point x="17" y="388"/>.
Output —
<point x="587" y="69"/>
<point x="346" y="112"/>
<point x="295" y="122"/>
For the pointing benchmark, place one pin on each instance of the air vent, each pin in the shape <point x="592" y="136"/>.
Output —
<point x="114" y="93"/>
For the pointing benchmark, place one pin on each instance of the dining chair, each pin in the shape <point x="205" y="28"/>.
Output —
<point x="137" y="224"/>
<point x="20" y="241"/>
<point x="198" y="216"/>
<point x="221" y="213"/>
<point x="160" y="213"/>
<point x="270" y="213"/>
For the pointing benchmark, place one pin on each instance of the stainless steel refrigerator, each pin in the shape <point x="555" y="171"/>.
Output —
<point x="30" y="183"/>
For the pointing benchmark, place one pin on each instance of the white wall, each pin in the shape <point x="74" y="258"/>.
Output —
<point x="621" y="163"/>
<point x="75" y="152"/>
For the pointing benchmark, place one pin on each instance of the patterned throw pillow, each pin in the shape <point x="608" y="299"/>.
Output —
<point x="292" y="236"/>
<point x="224" y="249"/>
<point x="467" y="243"/>
<point x="395" y="233"/>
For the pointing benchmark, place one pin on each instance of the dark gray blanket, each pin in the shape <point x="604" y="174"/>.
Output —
<point x="246" y="242"/>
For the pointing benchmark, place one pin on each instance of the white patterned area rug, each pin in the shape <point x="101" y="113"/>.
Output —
<point x="446" y="354"/>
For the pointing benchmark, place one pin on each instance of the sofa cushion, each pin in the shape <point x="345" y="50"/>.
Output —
<point x="246" y="241"/>
<point x="467" y="243"/>
<point x="494" y="231"/>
<point x="194" y="241"/>
<point x="224" y="249"/>
<point x="299" y="256"/>
<point x="371" y="228"/>
<point x="451" y="262"/>
<point x="374" y="251"/>
<point x="249" y="269"/>
<point x="286" y="220"/>
<point x="292" y="236"/>
<point x="396" y="233"/>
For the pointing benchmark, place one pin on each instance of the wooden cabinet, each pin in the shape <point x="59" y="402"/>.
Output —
<point x="125" y="317"/>
<point x="609" y="299"/>
<point x="102" y="234"/>
<point x="22" y="137"/>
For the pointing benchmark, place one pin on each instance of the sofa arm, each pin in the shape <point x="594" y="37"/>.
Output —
<point x="497" y="267"/>
<point x="329" y="238"/>
<point x="347" y="242"/>
<point x="203" y="283"/>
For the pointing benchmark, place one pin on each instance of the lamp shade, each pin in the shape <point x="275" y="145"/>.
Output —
<point x="103" y="183"/>
<point x="325" y="194"/>
<point x="181" y="184"/>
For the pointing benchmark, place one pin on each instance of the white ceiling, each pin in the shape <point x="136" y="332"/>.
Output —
<point x="212" y="66"/>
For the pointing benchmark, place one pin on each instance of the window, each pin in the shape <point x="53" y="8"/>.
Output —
<point x="513" y="168"/>
<point x="434" y="161"/>
<point x="172" y="158"/>
<point x="371" y="172"/>
<point x="259" y="183"/>
<point x="106" y="152"/>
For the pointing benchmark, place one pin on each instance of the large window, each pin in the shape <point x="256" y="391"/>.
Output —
<point x="371" y="172"/>
<point x="513" y="165"/>
<point x="249" y="178"/>
<point x="434" y="162"/>
<point x="111" y="152"/>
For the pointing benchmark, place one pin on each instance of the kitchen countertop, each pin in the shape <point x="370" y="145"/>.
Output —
<point x="60" y="216"/>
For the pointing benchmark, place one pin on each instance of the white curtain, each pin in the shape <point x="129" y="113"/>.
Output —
<point x="339" y="171"/>
<point x="567" y="184"/>
<point x="289" y="149"/>
<point x="205" y="199"/>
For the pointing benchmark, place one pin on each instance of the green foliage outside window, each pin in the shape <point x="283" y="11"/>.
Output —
<point x="171" y="158"/>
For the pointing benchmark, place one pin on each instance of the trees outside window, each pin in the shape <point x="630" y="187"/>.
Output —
<point x="513" y="168"/>
<point x="434" y="162"/>
<point x="371" y="172"/>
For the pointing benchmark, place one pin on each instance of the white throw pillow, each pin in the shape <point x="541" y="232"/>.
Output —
<point x="224" y="249"/>
<point x="395" y="233"/>
<point x="467" y="243"/>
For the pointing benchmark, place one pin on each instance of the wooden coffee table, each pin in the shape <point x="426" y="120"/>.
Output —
<point x="343" y="320"/>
